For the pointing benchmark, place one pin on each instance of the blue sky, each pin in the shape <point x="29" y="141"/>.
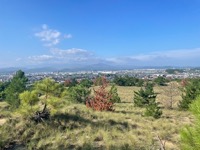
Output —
<point x="117" y="32"/>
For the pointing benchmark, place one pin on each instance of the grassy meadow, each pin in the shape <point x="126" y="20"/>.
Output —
<point x="77" y="127"/>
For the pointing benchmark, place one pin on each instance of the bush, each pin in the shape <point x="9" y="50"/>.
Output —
<point x="101" y="99"/>
<point x="79" y="93"/>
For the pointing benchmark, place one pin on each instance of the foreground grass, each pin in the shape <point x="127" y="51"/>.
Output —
<point x="77" y="127"/>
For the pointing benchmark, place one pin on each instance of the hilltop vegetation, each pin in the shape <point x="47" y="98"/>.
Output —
<point x="55" y="116"/>
<point x="173" y="71"/>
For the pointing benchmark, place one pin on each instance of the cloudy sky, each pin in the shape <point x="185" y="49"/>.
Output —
<point x="82" y="32"/>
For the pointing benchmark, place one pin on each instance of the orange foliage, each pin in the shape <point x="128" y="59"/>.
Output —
<point x="100" y="101"/>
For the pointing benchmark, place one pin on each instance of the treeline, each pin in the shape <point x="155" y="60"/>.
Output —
<point x="173" y="71"/>
<point x="49" y="93"/>
<point x="128" y="81"/>
<point x="133" y="81"/>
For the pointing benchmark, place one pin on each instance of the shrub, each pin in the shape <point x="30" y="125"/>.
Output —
<point x="101" y="99"/>
<point x="79" y="93"/>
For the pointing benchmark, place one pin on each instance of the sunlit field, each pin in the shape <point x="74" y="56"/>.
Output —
<point x="77" y="127"/>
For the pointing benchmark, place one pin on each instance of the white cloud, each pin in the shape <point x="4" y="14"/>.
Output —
<point x="73" y="55"/>
<point x="40" y="58"/>
<point x="158" y="58"/>
<point x="50" y="37"/>
<point x="80" y="56"/>
<point x="73" y="51"/>
<point x="179" y="54"/>
<point x="172" y="54"/>
<point x="67" y="36"/>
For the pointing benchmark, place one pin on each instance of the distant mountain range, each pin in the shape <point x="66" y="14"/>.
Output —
<point x="94" y="67"/>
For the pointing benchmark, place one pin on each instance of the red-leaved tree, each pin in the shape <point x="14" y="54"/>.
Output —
<point x="101" y="99"/>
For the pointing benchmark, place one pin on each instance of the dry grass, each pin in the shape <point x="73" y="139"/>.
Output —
<point x="2" y="121"/>
<point x="77" y="127"/>
<point x="4" y="113"/>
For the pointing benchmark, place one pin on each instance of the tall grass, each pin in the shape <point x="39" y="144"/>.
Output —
<point x="77" y="127"/>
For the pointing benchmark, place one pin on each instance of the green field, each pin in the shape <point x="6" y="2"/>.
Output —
<point x="77" y="127"/>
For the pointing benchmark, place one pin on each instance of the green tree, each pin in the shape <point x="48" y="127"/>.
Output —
<point x="114" y="95"/>
<point x="147" y="98"/>
<point x="16" y="86"/>
<point x="48" y="88"/>
<point x="119" y="81"/>
<point x="142" y="97"/>
<point x="43" y="101"/>
<point x="160" y="81"/>
<point x="79" y="93"/>
<point x="3" y="86"/>
<point x="190" y="91"/>
<point x="190" y="135"/>
<point x="152" y="109"/>
<point x="86" y="83"/>
<point x="174" y="71"/>
<point x="28" y="100"/>
<point x="128" y="81"/>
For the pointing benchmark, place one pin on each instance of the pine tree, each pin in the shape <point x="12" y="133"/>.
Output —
<point x="190" y="91"/>
<point x="78" y="93"/>
<point x="142" y="97"/>
<point x="16" y="86"/>
<point x="48" y="88"/>
<point x="114" y="95"/>
<point x="147" y="98"/>
<point x="152" y="109"/>
<point x="50" y="98"/>
<point x="28" y="100"/>
<point x="190" y="135"/>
